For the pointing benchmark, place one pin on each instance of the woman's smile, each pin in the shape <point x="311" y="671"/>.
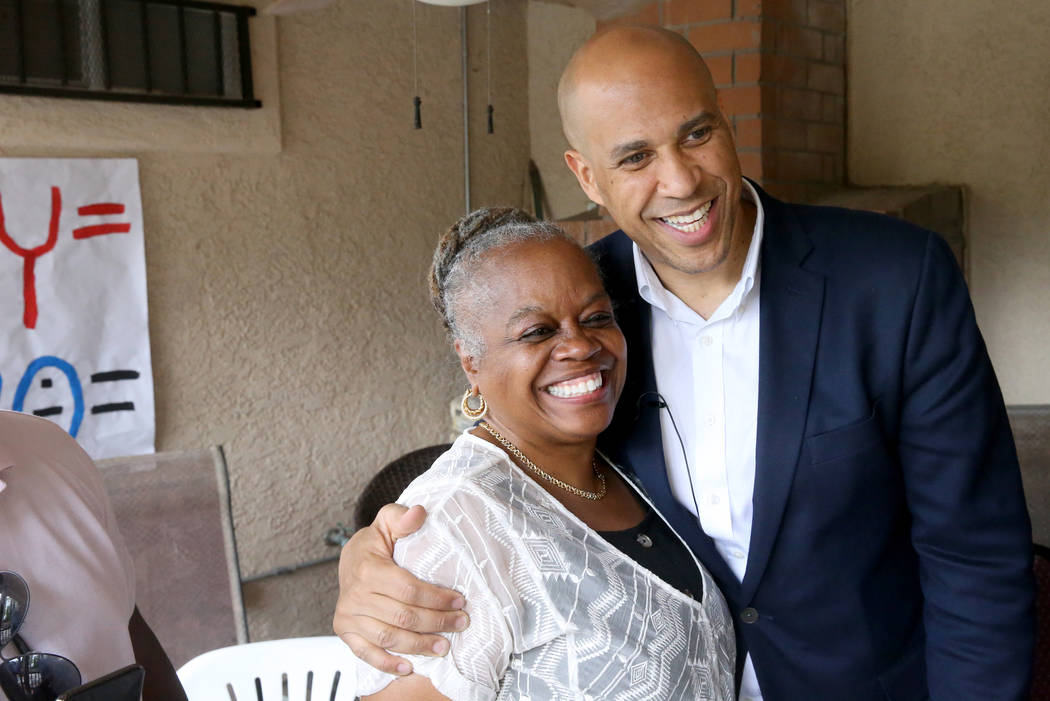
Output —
<point x="585" y="387"/>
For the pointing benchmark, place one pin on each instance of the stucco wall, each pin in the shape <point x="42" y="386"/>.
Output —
<point x="957" y="92"/>
<point x="554" y="33"/>
<point x="286" y="251"/>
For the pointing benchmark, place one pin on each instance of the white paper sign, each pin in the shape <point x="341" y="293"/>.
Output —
<point x="75" y="344"/>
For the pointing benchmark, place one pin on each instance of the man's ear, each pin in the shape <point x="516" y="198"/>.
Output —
<point x="584" y="175"/>
<point x="466" y="361"/>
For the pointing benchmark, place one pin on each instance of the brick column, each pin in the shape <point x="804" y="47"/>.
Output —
<point x="779" y="66"/>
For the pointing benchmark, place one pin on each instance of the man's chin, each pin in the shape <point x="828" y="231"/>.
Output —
<point x="694" y="262"/>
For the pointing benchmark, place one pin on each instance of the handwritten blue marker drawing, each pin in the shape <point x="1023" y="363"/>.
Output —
<point x="50" y="361"/>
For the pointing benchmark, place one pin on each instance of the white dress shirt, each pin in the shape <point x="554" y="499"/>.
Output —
<point x="707" y="373"/>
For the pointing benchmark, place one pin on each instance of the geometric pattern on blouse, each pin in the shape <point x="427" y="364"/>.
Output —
<point x="556" y="612"/>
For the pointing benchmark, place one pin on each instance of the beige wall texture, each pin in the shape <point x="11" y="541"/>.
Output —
<point x="942" y="91"/>
<point x="286" y="250"/>
<point x="554" y="33"/>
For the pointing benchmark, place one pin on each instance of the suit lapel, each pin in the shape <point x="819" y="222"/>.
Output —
<point x="792" y="299"/>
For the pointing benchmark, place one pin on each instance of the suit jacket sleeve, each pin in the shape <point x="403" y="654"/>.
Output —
<point x="970" y="524"/>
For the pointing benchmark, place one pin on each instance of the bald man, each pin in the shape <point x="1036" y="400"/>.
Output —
<point x="809" y="403"/>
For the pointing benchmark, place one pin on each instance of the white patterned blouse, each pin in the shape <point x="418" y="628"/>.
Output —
<point x="556" y="612"/>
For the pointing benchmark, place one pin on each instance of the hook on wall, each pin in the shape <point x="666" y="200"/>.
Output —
<point x="417" y="100"/>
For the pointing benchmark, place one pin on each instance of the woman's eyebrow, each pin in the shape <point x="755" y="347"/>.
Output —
<point x="521" y="313"/>
<point x="596" y="296"/>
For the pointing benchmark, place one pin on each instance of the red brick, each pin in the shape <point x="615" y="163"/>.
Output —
<point x="833" y="168"/>
<point x="833" y="109"/>
<point x="769" y="34"/>
<point x="649" y="14"/>
<point x="830" y="16"/>
<point x="689" y="11"/>
<point x="740" y="100"/>
<point x="726" y="36"/>
<point x="799" y="104"/>
<point x="799" y="166"/>
<point x="748" y="8"/>
<point x="827" y="167"/>
<point x="784" y="133"/>
<point x="835" y="49"/>
<point x="721" y="68"/>
<point x="600" y="228"/>
<point x="786" y="10"/>
<point x="784" y="70"/>
<point x="577" y="229"/>
<point x="751" y="163"/>
<point x="789" y="192"/>
<point x="829" y="79"/>
<point x="749" y="132"/>
<point x="747" y="68"/>
<point x="824" y="138"/>
<point x="800" y="41"/>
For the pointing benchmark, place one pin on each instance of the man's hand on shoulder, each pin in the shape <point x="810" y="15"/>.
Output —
<point x="383" y="607"/>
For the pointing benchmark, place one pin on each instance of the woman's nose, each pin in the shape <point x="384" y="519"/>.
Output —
<point x="577" y="344"/>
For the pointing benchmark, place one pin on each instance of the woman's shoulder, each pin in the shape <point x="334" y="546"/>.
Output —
<point x="472" y="471"/>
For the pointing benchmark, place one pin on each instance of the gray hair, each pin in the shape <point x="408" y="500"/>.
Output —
<point x="456" y="257"/>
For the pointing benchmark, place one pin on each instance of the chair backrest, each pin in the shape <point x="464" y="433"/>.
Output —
<point x="173" y="510"/>
<point x="1031" y="427"/>
<point x="389" y="482"/>
<point x="293" y="669"/>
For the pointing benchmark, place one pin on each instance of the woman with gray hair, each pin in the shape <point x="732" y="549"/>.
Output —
<point x="575" y="587"/>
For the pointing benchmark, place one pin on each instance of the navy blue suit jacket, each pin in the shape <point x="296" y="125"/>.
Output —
<point x="890" y="550"/>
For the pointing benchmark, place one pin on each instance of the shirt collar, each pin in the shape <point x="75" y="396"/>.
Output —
<point x="653" y="291"/>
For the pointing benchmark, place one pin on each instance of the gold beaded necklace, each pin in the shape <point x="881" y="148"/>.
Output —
<point x="513" y="450"/>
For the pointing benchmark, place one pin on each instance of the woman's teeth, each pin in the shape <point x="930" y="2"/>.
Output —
<point x="577" y="386"/>
<point x="689" y="222"/>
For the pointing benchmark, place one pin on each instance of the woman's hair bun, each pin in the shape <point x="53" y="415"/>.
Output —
<point x="458" y="236"/>
<point x="462" y="246"/>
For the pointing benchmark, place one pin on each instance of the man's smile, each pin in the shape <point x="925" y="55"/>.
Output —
<point x="690" y="221"/>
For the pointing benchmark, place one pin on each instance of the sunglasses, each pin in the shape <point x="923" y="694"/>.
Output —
<point x="31" y="676"/>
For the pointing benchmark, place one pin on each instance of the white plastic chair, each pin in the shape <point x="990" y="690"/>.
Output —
<point x="293" y="669"/>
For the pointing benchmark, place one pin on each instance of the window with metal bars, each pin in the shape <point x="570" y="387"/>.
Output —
<point x="167" y="51"/>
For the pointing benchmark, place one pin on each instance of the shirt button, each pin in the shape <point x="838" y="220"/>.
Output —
<point x="644" y="540"/>
<point x="749" y="615"/>
<point x="711" y="420"/>
<point x="738" y="554"/>
<point x="713" y="499"/>
<point x="707" y="340"/>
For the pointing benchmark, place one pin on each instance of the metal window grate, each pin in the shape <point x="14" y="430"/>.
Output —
<point x="180" y="52"/>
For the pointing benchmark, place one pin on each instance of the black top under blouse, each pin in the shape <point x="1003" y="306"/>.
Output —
<point x="654" y="546"/>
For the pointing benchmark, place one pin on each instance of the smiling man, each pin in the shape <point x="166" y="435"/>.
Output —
<point x="808" y="402"/>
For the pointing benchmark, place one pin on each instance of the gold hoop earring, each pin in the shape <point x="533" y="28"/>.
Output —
<point x="474" y="414"/>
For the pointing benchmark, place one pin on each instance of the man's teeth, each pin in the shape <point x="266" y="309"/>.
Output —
<point x="576" y="387"/>
<point x="690" y="222"/>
